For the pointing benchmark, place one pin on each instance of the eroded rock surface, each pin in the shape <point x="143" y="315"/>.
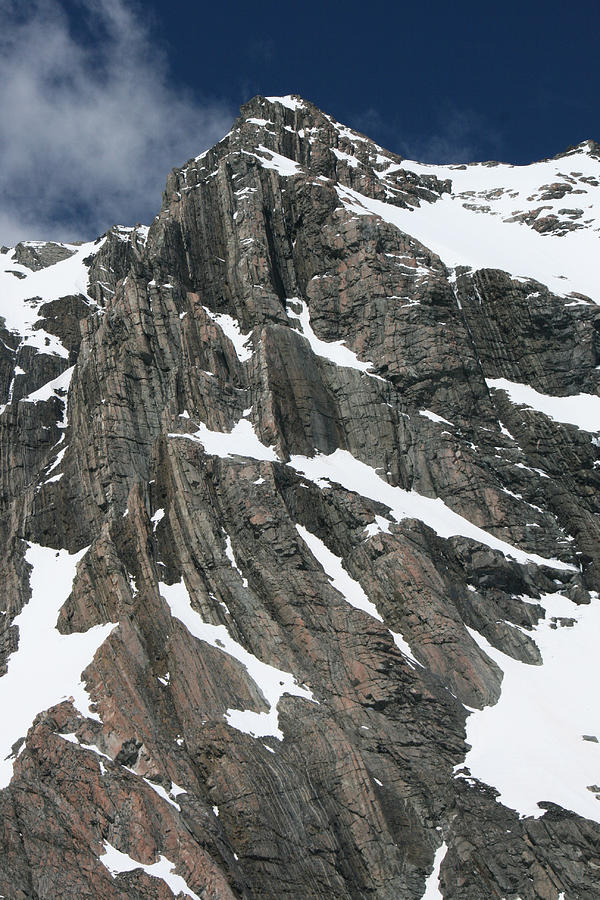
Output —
<point x="271" y="386"/>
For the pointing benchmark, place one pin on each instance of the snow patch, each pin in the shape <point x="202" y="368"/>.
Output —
<point x="381" y="525"/>
<point x="46" y="668"/>
<point x="344" y="157"/>
<point x="59" y="457"/>
<point x="434" y="417"/>
<point x="21" y="298"/>
<point x="272" y="683"/>
<point x="335" y="351"/>
<point x="530" y="745"/>
<point x="242" y="440"/>
<point x="339" y="578"/>
<point x="58" y="387"/>
<point x="432" y="885"/>
<point x="281" y="164"/>
<point x="231" y="329"/>
<point x="117" y="862"/>
<point x="581" y="410"/>
<point x="288" y="101"/>
<point x="230" y="556"/>
<point x="159" y="789"/>
<point x="157" y="517"/>
<point x="342" y="468"/>
<point x="351" y="590"/>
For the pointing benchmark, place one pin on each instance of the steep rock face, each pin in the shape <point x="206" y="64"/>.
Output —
<point x="296" y="512"/>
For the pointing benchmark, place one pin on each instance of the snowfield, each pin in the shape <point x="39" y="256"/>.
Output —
<point x="484" y="237"/>
<point x="541" y="741"/>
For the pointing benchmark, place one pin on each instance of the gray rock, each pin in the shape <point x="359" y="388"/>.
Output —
<point x="360" y="791"/>
<point x="36" y="255"/>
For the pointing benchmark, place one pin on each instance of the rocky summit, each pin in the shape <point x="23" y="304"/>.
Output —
<point x="301" y="541"/>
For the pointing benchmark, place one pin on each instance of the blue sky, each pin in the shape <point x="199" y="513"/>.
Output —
<point x="100" y="99"/>
<point x="470" y="79"/>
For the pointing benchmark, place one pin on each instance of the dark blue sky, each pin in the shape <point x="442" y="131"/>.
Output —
<point x="517" y="80"/>
<point x="100" y="98"/>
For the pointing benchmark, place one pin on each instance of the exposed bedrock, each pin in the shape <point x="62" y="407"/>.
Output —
<point x="306" y="511"/>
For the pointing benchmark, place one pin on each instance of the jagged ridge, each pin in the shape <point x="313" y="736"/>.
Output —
<point x="314" y="511"/>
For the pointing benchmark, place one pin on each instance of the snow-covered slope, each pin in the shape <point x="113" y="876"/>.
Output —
<point x="23" y="291"/>
<point x="540" y="221"/>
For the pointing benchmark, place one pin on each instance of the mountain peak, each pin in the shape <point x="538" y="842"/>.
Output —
<point x="290" y="101"/>
<point x="299" y="507"/>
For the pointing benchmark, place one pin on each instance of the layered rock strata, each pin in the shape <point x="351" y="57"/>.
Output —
<point x="292" y="499"/>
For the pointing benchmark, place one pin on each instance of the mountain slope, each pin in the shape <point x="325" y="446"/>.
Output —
<point x="303" y="479"/>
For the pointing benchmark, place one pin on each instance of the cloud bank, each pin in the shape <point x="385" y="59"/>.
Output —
<point x="89" y="123"/>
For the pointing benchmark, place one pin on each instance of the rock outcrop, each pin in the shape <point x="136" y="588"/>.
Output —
<point x="297" y="506"/>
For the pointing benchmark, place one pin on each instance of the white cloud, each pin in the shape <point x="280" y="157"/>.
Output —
<point x="89" y="123"/>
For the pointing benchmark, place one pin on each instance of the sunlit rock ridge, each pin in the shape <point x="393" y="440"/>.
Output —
<point x="301" y="541"/>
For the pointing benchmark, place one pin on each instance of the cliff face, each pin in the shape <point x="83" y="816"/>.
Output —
<point x="299" y="508"/>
